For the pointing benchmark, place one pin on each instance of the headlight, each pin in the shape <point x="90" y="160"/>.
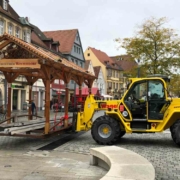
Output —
<point x="125" y="113"/>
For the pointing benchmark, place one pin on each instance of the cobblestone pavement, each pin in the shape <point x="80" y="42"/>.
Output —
<point x="158" y="148"/>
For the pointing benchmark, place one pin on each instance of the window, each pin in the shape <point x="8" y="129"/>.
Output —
<point x="76" y="62"/>
<point x="88" y="54"/>
<point x="56" y="81"/>
<point x="72" y="59"/>
<point x="24" y="35"/>
<point x="77" y="38"/>
<point x="109" y="72"/>
<point x="1" y="27"/>
<point x="10" y="29"/>
<point x="5" y="5"/>
<point x="74" y="48"/>
<point x="116" y="74"/>
<point x="28" y="37"/>
<point x="113" y="85"/>
<point x="156" y="89"/>
<point x="116" y="85"/>
<point x="110" y="85"/>
<point x="81" y="64"/>
<point x="17" y="32"/>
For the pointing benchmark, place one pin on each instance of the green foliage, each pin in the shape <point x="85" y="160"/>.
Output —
<point x="156" y="46"/>
<point x="174" y="86"/>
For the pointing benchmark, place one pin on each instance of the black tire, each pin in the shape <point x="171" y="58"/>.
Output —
<point x="109" y="123"/>
<point x="175" y="132"/>
<point x="122" y="133"/>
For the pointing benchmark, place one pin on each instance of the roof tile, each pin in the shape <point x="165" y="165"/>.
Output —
<point x="125" y="61"/>
<point x="65" y="37"/>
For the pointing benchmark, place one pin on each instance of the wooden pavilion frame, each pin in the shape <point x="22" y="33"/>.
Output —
<point x="34" y="62"/>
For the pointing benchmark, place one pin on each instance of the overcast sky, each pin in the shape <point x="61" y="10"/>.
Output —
<point x="99" y="21"/>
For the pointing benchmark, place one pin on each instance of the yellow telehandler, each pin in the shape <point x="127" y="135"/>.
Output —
<point x="144" y="108"/>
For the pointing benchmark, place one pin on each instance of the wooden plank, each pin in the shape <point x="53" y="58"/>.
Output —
<point x="20" y="63"/>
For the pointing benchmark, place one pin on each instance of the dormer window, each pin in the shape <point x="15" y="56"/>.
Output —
<point x="5" y="5"/>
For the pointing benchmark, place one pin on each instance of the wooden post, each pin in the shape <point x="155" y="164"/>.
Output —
<point x="47" y="106"/>
<point x="30" y="101"/>
<point x="66" y="105"/>
<point x="9" y="103"/>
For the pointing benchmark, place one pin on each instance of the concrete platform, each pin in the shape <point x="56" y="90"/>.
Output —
<point x="44" y="165"/>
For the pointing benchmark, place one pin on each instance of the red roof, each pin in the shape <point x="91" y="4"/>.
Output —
<point x="125" y="61"/>
<point x="66" y="39"/>
<point x="85" y="91"/>
<point x="35" y="39"/>
<point x="105" y="59"/>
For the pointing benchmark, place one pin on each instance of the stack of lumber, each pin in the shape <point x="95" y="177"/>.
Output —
<point x="25" y="126"/>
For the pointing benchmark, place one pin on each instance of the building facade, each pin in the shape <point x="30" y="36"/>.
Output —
<point x="71" y="48"/>
<point x="112" y="72"/>
<point x="13" y="24"/>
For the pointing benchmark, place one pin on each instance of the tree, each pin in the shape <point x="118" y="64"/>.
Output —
<point x="174" y="86"/>
<point x="156" y="46"/>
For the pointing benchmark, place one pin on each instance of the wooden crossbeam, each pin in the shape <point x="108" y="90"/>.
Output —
<point x="11" y="76"/>
<point x="4" y="44"/>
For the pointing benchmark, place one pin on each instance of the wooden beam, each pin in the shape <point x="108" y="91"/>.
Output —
<point x="31" y="80"/>
<point x="46" y="71"/>
<point x="7" y="77"/>
<point x="10" y="77"/>
<point x="47" y="106"/>
<point x="5" y="44"/>
<point x="67" y="77"/>
<point x="9" y="103"/>
<point x="14" y="76"/>
<point x="80" y="80"/>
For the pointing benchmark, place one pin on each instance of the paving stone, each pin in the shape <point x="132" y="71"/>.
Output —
<point x="158" y="148"/>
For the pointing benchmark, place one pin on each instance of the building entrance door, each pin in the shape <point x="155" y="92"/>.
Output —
<point x="15" y="99"/>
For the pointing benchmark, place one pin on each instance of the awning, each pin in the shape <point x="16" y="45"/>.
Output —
<point x="85" y="91"/>
<point x="56" y="92"/>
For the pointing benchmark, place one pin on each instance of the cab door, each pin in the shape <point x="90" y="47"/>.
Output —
<point x="136" y="101"/>
<point x="156" y="99"/>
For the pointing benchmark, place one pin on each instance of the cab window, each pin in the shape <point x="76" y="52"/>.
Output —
<point x="155" y="89"/>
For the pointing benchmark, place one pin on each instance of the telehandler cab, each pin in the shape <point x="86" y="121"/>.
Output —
<point x="144" y="108"/>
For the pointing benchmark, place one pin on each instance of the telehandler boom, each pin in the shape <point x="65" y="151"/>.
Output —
<point x="144" y="108"/>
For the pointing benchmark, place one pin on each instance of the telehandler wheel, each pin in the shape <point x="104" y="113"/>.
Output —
<point x="175" y="132"/>
<point x="105" y="130"/>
